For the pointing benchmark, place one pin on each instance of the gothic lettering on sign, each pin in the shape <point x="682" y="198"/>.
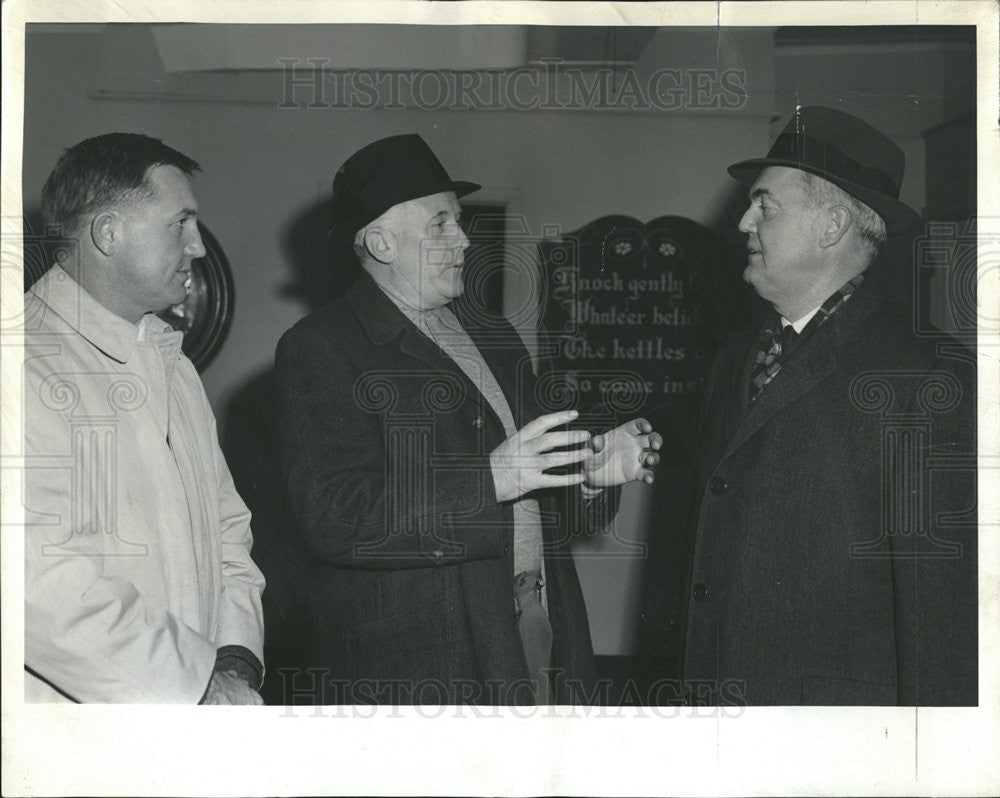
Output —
<point x="630" y="310"/>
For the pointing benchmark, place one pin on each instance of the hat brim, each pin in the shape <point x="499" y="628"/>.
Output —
<point x="898" y="216"/>
<point x="463" y="187"/>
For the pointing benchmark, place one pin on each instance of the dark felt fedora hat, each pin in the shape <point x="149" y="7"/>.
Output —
<point x="385" y="173"/>
<point x="846" y="151"/>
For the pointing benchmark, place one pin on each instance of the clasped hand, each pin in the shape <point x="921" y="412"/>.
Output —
<point x="226" y="687"/>
<point x="625" y="454"/>
<point x="622" y="455"/>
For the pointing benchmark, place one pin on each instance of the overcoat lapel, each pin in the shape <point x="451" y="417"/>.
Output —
<point x="816" y="359"/>
<point x="811" y="364"/>
<point x="739" y="401"/>
<point x="384" y="322"/>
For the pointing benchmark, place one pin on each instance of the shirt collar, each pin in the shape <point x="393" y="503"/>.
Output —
<point x="799" y="324"/>
<point x="107" y="331"/>
<point x="412" y="313"/>
<point x="829" y="305"/>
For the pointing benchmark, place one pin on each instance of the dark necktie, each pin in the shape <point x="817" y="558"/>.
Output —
<point x="774" y="341"/>
<point x="788" y="338"/>
<point x="776" y="344"/>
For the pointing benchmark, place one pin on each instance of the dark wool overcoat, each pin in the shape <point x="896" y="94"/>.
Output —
<point x="385" y="444"/>
<point x="834" y="555"/>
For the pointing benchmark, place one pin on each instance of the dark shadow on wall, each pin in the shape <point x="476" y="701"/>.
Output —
<point x="320" y="270"/>
<point x="278" y="550"/>
<point x="703" y="265"/>
<point x="321" y="263"/>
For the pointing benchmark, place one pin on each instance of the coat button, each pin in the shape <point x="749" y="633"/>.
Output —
<point x="478" y="423"/>
<point x="700" y="592"/>
<point x="718" y="486"/>
<point x="506" y="548"/>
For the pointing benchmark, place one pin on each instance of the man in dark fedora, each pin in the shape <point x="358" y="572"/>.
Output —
<point x="417" y="459"/>
<point x="834" y="555"/>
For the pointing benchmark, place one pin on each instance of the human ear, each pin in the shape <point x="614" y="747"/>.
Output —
<point x="380" y="244"/>
<point x="837" y="221"/>
<point x="104" y="233"/>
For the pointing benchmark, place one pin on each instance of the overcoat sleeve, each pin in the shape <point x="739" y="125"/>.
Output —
<point x="361" y="498"/>
<point x="241" y="617"/>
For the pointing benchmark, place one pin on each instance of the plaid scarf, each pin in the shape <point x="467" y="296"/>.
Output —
<point x="774" y="340"/>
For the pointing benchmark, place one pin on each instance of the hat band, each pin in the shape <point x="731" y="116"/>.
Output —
<point x="826" y="158"/>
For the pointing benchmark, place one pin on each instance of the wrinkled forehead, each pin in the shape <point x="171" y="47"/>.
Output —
<point x="422" y="209"/>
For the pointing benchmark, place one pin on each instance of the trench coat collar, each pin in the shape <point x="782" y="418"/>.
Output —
<point x="64" y="296"/>
<point x="816" y="359"/>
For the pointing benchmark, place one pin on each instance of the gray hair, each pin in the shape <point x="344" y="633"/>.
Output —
<point x="870" y="226"/>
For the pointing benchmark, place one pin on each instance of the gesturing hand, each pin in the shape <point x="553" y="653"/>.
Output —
<point x="226" y="687"/>
<point x="624" y="454"/>
<point x="519" y="462"/>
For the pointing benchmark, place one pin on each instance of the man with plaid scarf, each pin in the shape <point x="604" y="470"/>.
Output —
<point x="833" y="554"/>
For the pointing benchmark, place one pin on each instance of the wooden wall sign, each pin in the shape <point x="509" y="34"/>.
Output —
<point x="628" y="318"/>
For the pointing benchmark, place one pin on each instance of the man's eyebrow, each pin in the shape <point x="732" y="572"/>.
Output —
<point x="761" y="192"/>
<point x="186" y="213"/>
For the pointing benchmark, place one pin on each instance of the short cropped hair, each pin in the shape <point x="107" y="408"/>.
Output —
<point x="103" y="172"/>
<point x="359" y="246"/>
<point x="871" y="226"/>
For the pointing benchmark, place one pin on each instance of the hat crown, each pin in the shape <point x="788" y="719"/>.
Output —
<point x="385" y="173"/>
<point x="845" y="151"/>
<point x="386" y="154"/>
<point x="831" y="140"/>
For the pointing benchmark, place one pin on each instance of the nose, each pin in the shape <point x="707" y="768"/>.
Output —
<point x="463" y="239"/>
<point x="748" y="223"/>
<point x="195" y="247"/>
